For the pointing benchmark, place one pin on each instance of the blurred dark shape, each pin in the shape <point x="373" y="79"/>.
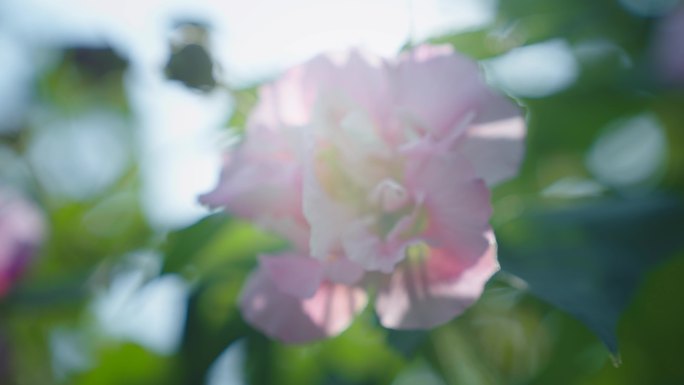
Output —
<point x="190" y="62"/>
<point x="407" y="342"/>
<point x="589" y="260"/>
<point x="6" y="376"/>
<point x="86" y="76"/>
<point x="96" y="64"/>
<point x="669" y="48"/>
<point x="12" y="138"/>
<point x="192" y="66"/>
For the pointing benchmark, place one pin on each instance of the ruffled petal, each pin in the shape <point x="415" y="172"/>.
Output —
<point x="455" y="201"/>
<point x="356" y="77"/>
<point x="267" y="192"/>
<point x="436" y="88"/>
<point x="342" y="270"/>
<point x="367" y="249"/>
<point x="495" y="143"/>
<point x="253" y="188"/>
<point x="425" y="293"/>
<point x="327" y="219"/>
<point x="293" y="320"/>
<point x="283" y="103"/>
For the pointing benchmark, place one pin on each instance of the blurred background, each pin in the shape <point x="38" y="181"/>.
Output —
<point x="113" y="117"/>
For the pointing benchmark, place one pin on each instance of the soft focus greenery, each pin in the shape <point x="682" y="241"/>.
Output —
<point x="590" y="292"/>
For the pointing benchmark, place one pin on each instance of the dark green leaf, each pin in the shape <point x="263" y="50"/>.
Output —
<point x="588" y="261"/>
<point x="407" y="342"/>
<point x="183" y="244"/>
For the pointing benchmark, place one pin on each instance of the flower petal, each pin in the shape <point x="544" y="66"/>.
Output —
<point x="355" y="76"/>
<point x="363" y="247"/>
<point x="296" y="275"/>
<point x="344" y="271"/>
<point x="494" y="144"/>
<point x="327" y="218"/>
<point x="265" y="191"/>
<point x="455" y="200"/>
<point x="282" y="103"/>
<point x="436" y="88"/>
<point x="427" y="293"/>
<point x="292" y="320"/>
<point x="254" y="188"/>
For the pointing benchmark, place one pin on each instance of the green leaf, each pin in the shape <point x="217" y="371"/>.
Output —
<point x="183" y="244"/>
<point x="245" y="100"/>
<point x="202" y="341"/>
<point x="588" y="261"/>
<point x="216" y="243"/>
<point x="407" y="342"/>
<point x="129" y="364"/>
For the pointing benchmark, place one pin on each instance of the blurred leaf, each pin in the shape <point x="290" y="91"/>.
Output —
<point x="75" y="247"/>
<point x="215" y="243"/>
<point x="259" y="360"/>
<point x="340" y="355"/>
<point x="479" y="45"/>
<point x="534" y="21"/>
<point x="220" y="251"/>
<point x="87" y="77"/>
<point x="202" y="344"/>
<point x="407" y="342"/>
<point x="589" y="260"/>
<point x="244" y="102"/>
<point x="183" y="244"/>
<point x="129" y="364"/>
<point x="96" y="63"/>
<point x="651" y="332"/>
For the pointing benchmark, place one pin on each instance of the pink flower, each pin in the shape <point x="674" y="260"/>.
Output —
<point x="21" y="232"/>
<point x="377" y="171"/>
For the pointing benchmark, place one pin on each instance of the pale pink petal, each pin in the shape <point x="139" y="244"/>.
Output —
<point x="343" y="271"/>
<point x="328" y="221"/>
<point x="268" y="193"/>
<point x="362" y="151"/>
<point x="432" y="291"/>
<point x="292" y="320"/>
<point x="455" y="200"/>
<point x="296" y="275"/>
<point x="363" y="246"/>
<point x="356" y="77"/>
<point x="282" y="103"/>
<point x="435" y="89"/>
<point x="327" y="218"/>
<point x="389" y="195"/>
<point x="250" y="188"/>
<point x="295" y="230"/>
<point x="495" y="142"/>
<point x="261" y="179"/>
